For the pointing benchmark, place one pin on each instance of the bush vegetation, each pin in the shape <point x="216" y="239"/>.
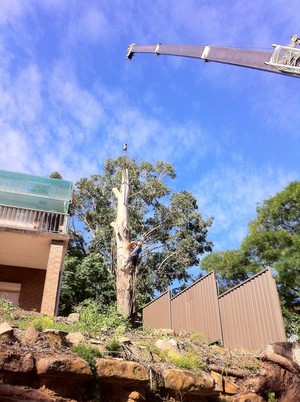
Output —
<point x="88" y="353"/>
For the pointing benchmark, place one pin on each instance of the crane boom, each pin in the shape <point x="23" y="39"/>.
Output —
<point x="284" y="59"/>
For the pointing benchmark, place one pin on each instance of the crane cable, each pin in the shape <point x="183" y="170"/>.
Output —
<point x="125" y="118"/>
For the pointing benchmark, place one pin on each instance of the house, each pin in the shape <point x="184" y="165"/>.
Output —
<point x="33" y="239"/>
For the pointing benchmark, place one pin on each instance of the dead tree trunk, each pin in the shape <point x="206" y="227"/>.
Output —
<point x="125" y="273"/>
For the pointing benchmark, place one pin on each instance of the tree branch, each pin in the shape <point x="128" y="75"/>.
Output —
<point x="166" y="259"/>
<point x="116" y="192"/>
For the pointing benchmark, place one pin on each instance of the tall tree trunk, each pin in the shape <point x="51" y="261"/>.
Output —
<point x="126" y="266"/>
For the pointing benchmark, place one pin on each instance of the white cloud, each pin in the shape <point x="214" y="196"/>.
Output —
<point x="77" y="102"/>
<point x="93" y="25"/>
<point x="15" y="151"/>
<point x="11" y="10"/>
<point x="230" y="193"/>
<point x="62" y="100"/>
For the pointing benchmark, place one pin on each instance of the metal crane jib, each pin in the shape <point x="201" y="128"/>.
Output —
<point x="284" y="59"/>
<point x="287" y="58"/>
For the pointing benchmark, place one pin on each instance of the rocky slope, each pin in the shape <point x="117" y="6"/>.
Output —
<point x="142" y="366"/>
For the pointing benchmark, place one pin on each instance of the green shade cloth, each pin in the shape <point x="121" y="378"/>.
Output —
<point x="34" y="192"/>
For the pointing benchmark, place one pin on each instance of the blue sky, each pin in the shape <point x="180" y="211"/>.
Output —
<point x="69" y="99"/>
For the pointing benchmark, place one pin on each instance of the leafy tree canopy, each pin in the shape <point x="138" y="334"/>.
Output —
<point x="55" y="175"/>
<point x="273" y="240"/>
<point x="232" y="267"/>
<point x="173" y="231"/>
<point x="84" y="279"/>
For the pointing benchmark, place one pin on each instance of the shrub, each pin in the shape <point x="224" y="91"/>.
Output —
<point x="94" y="318"/>
<point x="5" y="304"/>
<point x="42" y="323"/>
<point x="271" y="397"/>
<point x="112" y="345"/>
<point x="88" y="353"/>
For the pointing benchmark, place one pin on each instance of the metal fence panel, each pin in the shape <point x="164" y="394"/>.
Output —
<point x="251" y="313"/>
<point x="157" y="313"/>
<point x="195" y="309"/>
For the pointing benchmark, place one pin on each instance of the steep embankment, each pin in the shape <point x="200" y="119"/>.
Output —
<point x="136" y="366"/>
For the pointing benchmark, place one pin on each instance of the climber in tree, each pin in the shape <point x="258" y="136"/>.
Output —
<point x="135" y="248"/>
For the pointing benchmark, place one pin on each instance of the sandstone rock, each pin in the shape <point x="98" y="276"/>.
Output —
<point x="248" y="398"/>
<point x="69" y="376"/>
<point x="111" y="370"/>
<point x="14" y="393"/>
<point x="229" y="386"/>
<point x="123" y="340"/>
<point x="135" y="396"/>
<point x="167" y="344"/>
<point x="6" y="331"/>
<point x="284" y="353"/>
<point x="187" y="382"/>
<point x="62" y="364"/>
<point x="56" y="338"/>
<point x="72" y="318"/>
<point x="218" y="386"/>
<point x="31" y="335"/>
<point x="102" y="349"/>
<point x="74" y="338"/>
<point x="141" y="352"/>
<point x="15" y="362"/>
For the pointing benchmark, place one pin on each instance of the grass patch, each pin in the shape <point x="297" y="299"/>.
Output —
<point x="198" y="338"/>
<point x="94" y="318"/>
<point x="113" y="345"/>
<point x="253" y="366"/>
<point x="186" y="361"/>
<point x="42" y="323"/>
<point x="151" y="346"/>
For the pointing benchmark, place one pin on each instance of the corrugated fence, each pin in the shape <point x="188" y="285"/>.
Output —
<point x="249" y="315"/>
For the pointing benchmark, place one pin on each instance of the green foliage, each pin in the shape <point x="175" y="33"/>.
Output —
<point x="171" y="227"/>
<point x="95" y="317"/>
<point x="85" y="279"/>
<point x="42" y="323"/>
<point x="113" y="345"/>
<point x="5" y="304"/>
<point x="55" y="175"/>
<point x="291" y="322"/>
<point x="232" y="267"/>
<point x="271" y="397"/>
<point x="151" y="346"/>
<point x="197" y="338"/>
<point x="188" y="361"/>
<point x="88" y="353"/>
<point x="273" y="240"/>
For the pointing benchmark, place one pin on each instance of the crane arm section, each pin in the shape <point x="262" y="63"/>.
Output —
<point x="284" y="59"/>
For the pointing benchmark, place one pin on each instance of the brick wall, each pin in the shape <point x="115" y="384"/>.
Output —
<point x="32" y="285"/>
<point x="55" y="261"/>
